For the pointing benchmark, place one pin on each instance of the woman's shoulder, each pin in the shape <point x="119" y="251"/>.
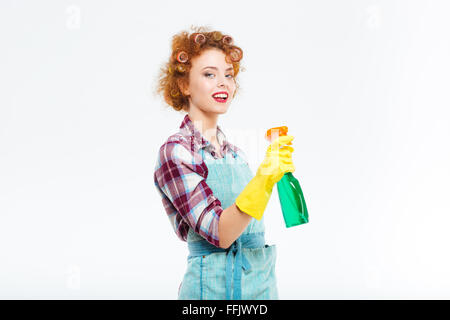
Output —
<point x="178" y="150"/>
<point x="177" y="138"/>
<point x="175" y="146"/>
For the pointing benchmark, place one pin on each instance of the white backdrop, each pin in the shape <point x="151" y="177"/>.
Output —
<point x="362" y="85"/>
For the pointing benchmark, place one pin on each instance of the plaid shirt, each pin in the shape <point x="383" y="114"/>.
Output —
<point x="180" y="178"/>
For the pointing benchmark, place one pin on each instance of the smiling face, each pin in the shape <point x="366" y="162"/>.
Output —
<point x="210" y="74"/>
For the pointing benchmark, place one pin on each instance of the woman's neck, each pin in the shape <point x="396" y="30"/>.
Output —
<point x="205" y="123"/>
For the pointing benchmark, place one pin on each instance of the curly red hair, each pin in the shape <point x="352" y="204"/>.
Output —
<point x="174" y="74"/>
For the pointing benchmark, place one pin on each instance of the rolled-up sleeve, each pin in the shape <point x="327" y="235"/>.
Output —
<point x="183" y="181"/>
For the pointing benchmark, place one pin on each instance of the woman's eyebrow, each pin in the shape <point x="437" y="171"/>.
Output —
<point x="230" y="68"/>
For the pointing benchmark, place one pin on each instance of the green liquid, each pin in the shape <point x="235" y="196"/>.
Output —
<point x="292" y="201"/>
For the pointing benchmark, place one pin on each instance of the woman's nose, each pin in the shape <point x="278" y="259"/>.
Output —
<point x="220" y="81"/>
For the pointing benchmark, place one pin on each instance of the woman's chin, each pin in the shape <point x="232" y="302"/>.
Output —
<point x="223" y="109"/>
<point x="220" y="108"/>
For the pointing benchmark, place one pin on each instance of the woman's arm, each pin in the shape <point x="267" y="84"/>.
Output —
<point x="252" y="201"/>
<point x="232" y="223"/>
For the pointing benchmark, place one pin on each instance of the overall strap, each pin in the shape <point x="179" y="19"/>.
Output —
<point x="203" y="153"/>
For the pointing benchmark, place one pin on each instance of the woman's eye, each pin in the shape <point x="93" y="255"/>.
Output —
<point x="210" y="74"/>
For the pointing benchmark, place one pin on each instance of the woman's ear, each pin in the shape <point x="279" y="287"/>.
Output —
<point x="183" y="87"/>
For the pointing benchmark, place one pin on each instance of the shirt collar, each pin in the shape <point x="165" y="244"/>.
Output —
<point x="198" y="141"/>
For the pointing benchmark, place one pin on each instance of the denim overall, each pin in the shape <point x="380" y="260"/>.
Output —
<point x="245" y="270"/>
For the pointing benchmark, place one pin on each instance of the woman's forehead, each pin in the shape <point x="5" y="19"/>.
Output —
<point x="211" y="58"/>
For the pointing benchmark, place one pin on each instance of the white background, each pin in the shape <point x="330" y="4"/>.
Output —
<point x="362" y="85"/>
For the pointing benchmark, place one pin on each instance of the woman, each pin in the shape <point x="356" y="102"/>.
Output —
<point x="208" y="190"/>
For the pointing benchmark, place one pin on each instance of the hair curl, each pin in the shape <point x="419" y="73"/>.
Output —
<point x="185" y="47"/>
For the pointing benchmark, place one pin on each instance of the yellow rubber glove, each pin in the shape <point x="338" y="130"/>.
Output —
<point x="255" y="196"/>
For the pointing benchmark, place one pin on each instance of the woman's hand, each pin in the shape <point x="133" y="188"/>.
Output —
<point x="278" y="160"/>
<point x="255" y="196"/>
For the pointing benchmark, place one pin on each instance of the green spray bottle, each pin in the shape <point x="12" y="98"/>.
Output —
<point x="292" y="202"/>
